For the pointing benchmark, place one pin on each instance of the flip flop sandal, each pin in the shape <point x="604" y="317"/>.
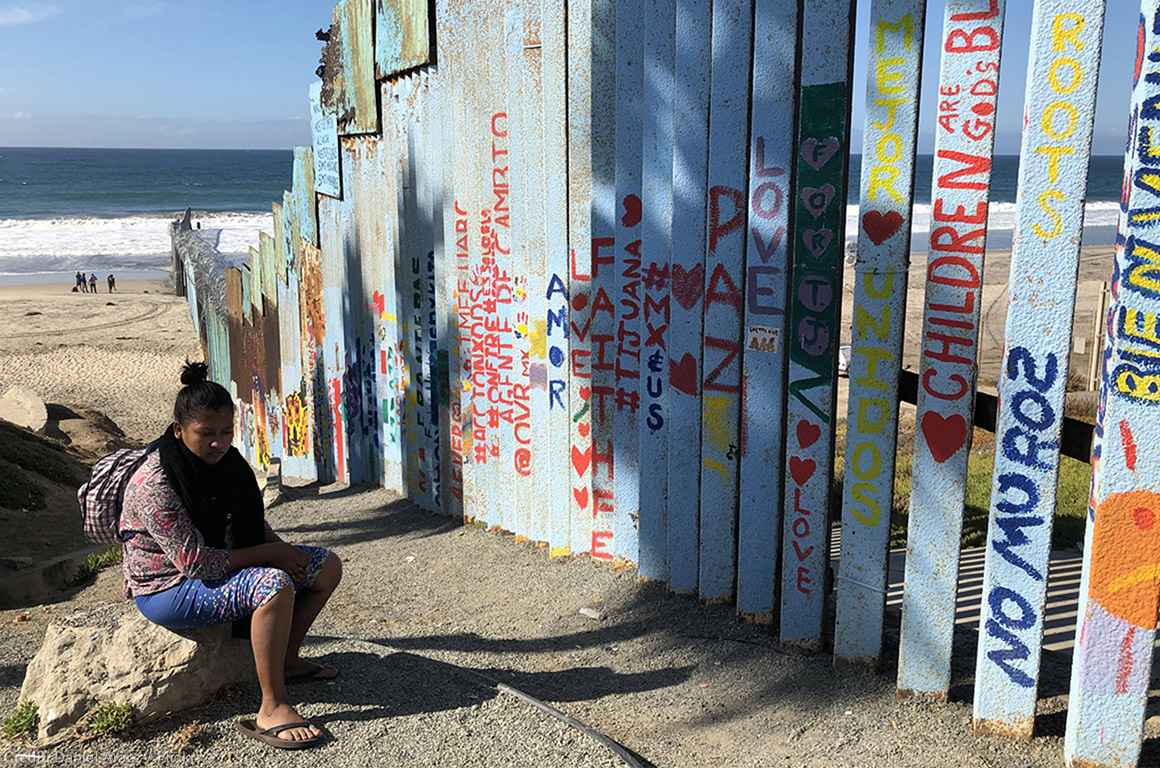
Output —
<point x="314" y="672"/>
<point x="270" y="735"/>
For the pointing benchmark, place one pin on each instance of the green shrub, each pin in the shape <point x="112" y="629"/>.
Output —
<point x="22" y="721"/>
<point x="109" y="719"/>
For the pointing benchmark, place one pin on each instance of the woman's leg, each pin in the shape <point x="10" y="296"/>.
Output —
<point x="313" y="592"/>
<point x="269" y="630"/>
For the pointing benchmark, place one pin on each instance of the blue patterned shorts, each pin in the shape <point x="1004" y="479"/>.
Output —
<point x="195" y="603"/>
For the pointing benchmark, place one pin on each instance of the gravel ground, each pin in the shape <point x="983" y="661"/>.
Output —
<point x="435" y="603"/>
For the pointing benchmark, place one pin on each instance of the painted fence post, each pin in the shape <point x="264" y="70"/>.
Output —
<point x="334" y="341"/>
<point x="815" y="310"/>
<point x="554" y="119"/>
<point x="582" y="501"/>
<point x="626" y="359"/>
<point x="721" y="380"/>
<point x="894" y="78"/>
<point x="1119" y="593"/>
<point x="656" y="243"/>
<point x="686" y="288"/>
<point x="1060" y="102"/>
<point x="771" y="153"/>
<point x="602" y="310"/>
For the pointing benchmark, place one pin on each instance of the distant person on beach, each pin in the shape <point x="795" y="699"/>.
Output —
<point x="79" y="282"/>
<point x="93" y="282"/>
<point x="112" y="283"/>
<point x="199" y="551"/>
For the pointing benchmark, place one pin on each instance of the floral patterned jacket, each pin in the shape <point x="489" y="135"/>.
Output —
<point x="163" y="547"/>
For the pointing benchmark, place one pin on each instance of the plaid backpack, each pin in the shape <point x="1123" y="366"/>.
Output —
<point x="100" y="498"/>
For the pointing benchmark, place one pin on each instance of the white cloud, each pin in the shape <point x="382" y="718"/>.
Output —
<point x="21" y="115"/>
<point x="26" y="13"/>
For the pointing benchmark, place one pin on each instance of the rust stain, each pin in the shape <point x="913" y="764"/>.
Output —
<point x="311" y="293"/>
<point x="1021" y="728"/>
<point x="905" y="694"/>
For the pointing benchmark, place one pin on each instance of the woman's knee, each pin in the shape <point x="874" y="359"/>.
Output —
<point x="330" y="574"/>
<point x="272" y="583"/>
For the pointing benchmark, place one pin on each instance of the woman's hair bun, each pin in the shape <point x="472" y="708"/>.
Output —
<point x="194" y="373"/>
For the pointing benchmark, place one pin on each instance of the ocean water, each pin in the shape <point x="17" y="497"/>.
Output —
<point x="103" y="210"/>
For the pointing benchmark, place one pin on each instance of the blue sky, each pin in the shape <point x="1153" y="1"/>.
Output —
<point x="212" y="73"/>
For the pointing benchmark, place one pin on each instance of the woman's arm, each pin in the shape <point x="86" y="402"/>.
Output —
<point x="270" y="535"/>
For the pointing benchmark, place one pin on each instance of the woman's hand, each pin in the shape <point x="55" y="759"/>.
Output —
<point x="289" y="558"/>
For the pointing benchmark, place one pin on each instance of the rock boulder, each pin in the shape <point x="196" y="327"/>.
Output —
<point x="116" y="655"/>
<point x="24" y="408"/>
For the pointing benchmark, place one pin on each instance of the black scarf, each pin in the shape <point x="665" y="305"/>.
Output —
<point x="223" y="499"/>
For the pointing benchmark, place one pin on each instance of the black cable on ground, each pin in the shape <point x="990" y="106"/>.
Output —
<point x="629" y="757"/>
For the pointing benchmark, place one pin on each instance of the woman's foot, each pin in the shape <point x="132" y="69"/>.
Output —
<point x="282" y="714"/>
<point x="301" y="669"/>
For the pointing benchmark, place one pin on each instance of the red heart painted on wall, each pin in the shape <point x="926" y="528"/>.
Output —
<point x="807" y="433"/>
<point x="631" y="215"/>
<point x="881" y="226"/>
<point x="683" y="374"/>
<point x="802" y="469"/>
<point x="581" y="496"/>
<point x="944" y="435"/>
<point x="585" y="393"/>
<point x="581" y="460"/>
<point x="688" y="285"/>
<point x="584" y="428"/>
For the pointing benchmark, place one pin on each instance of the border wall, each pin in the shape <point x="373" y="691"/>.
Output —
<point x="573" y="269"/>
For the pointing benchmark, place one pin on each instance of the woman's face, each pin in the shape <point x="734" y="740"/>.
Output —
<point x="208" y="434"/>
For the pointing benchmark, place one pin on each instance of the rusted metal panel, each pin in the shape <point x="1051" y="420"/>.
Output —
<point x="553" y="117"/>
<point x="686" y="287"/>
<point x="324" y="134"/>
<point x="893" y="87"/>
<point x="402" y="38"/>
<point x="1059" y="114"/>
<point x="269" y="279"/>
<point x="602" y="310"/>
<point x="348" y="60"/>
<point x="625" y="399"/>
<point x="771" y="153"/>
<point x="660" y="19"/>
<point x="815" y="309"/>
<point x="1119" y="597"/>
<point x="727" y="223"/>
<point x="582" y="504"/>
<point x="279" y="245"/>
<point x="253" y="272"/>
<point x="305" y="204"/>
<point x="298" y="443"/>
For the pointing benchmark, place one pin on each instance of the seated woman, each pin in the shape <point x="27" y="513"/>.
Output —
<point x="198" y="551"/>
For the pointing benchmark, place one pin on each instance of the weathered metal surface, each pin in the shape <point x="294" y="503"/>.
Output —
<point x="964" y="138"/>
<point x="880" y="280"/>
<point x="402" y="37"/>
<point x="602" y="309"/>
<point x="269" y="277"/>
<point x="721" y="381"/>
<point x="279" y="245"/>
<point x="686" y="288"/>
<point x="305" y="203"/>
<point x="297" y="429"/>
<point x="348" y="60"/>
<point x="815" y="307"/>
<point x="771" y="154"/>
<point x="1119" y="591"/>
<point x="582" y="502"/>
<point x="553" y="117"/>
<point x="253" y="273"/>
<point x="660" y="20"/>
<point x="333" y="285"/>
<point x="626" y="362"/>
<point x="324" y="134"/>
<point x="1059" y="107"/>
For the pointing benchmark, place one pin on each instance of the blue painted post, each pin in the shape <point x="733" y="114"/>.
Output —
<point x="558" y="344"/>
<point x="602" y="307"/>
<point x="334" y="341"/>
<point x="686" y="288"/>
<point x="1116" y="626"/>
<point x="305" y="204"/>
<point x="1059" y="108"/>
<point x="582" y="504"/>
<point x="721" y="380"/>
<point x="1119" y="592"/>
<point x="656" y="244"/>
<point x="815" y="309"/>
<point x="626" y="362"/>
<point x="880" y="281"/>
<point x="771" y="154"/>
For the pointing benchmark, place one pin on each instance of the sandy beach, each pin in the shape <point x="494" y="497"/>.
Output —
<point x="117" y="353"/>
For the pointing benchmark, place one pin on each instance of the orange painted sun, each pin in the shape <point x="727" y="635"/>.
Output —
<point x="1125" y="575"/>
